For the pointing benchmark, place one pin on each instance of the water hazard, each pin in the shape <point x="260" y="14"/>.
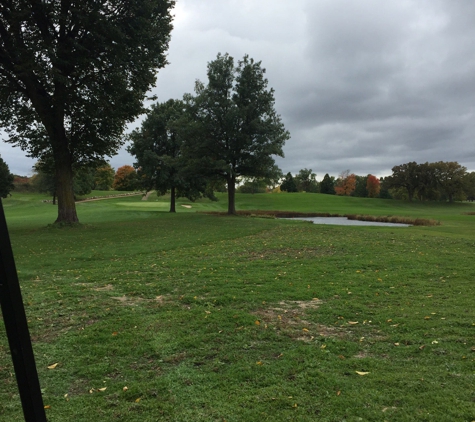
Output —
<point x="343" y="221"/>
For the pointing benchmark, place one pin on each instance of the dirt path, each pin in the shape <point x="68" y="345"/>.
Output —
<point x="145" y="197"/>
<point x="100" y="198"/>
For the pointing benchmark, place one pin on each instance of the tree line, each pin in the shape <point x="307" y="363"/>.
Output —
<point x="347" y="184"/>
<point x="85" y="180"/>
<point x="439" y="181"/>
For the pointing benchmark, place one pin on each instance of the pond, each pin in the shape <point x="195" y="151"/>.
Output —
<point x="343" y="221"/>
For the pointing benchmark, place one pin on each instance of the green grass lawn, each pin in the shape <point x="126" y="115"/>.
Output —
<point x="152" y="316"/>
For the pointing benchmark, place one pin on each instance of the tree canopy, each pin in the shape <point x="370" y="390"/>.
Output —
<point x="346" y="183"/>
<point x="429" y="181"/>
<point x="236" y="128"/>
<point x="306" y="181"/>
<point x="327" y="185"/>
<point x="162" y="162"/>
<point x="288" y="184"/>
<point x="125" y="178"/>
<point x="6" y="179"/>
<point x="72" y="74"/>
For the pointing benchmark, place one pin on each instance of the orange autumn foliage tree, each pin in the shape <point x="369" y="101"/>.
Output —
<point x="125" y="178"/>
<point x="373" y="186"/>
<point x="346" y="183"/>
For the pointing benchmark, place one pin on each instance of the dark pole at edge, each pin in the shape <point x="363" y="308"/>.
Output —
<point x="16" y="327"/>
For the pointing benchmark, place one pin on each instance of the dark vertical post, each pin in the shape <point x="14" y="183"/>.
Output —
<point x="16" y="327"/>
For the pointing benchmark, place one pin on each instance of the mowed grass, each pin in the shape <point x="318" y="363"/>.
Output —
<point x="151" y="316"/>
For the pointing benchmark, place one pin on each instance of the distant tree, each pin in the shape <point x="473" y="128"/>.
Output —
<point x="104" y="177"/>
<point x="288" y="184"/>
<point x="73" y="74"/>
<point x="405" y="176"/>
<point x="6" y="179"/>
<point x="427" y="189"/>
<point x="253" y="185"/>
<point x="44" y="179"/>
<point x="306" y="181"/>
<point x="373" y="186"/>
<point x="469" y="186"/>
<point x="360" y="187"/>
<point x="384" y="192"/>
<point x="327" y="185"/>
<point x="345" y="184"/>
<point x="236" y="129"/>
<point x="22" y="183"/>
<point x="83" y="181"/>
<point x="450" y="177"/>
<point x="125" y="178"/>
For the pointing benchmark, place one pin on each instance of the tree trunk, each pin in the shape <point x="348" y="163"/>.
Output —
<point x="64" y="179"/>
<point x="231" y="195"/>
<point x="172" y="199"/>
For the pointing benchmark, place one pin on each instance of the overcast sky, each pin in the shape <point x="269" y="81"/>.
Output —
<point x="362" y="85"/>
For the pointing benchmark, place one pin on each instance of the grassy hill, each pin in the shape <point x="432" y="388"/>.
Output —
<point x="152" y="316"/>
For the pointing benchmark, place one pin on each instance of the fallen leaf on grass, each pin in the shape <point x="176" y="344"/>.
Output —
<point x="362" y="373"/>
<point x="352" y="322"/>
<point x="54" y="365"/>
<point x="137" y="400"/>
<point x="257" y="322"/>
<point x="305" y="329"/>
<point x="102" y="389"/>
<point x="47" y="406"/>
<point x="125" y="388"/>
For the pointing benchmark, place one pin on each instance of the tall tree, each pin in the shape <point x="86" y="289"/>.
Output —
<point x="373" y="186"/>
<point x="237" y="129"/>
<point x="73" y="73"/>
<point x="288" y="184"/>
<point x="327" y="185"/>
<point x="162" y="163"/>
<point x="405" y="176"/>
<point x="346" y="183"/>
<point x="104" y="177"/>
<point x="306" y="181"/>
<point x="360" y="187"/>
<point x="125" y="178"/>
<point x="450" y="178"/>
<point x="469" y="186"/>
<point x="6" y="179"/>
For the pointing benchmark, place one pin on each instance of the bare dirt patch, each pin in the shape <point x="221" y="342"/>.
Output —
<point x="289" y="317"/>
<point x="136" y="301"/>
<point x="106" y="288"/>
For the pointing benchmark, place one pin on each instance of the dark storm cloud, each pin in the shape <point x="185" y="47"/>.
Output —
<point x="362" y="85"/>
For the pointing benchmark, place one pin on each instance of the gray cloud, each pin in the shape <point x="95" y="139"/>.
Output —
<point x="363" y="85"/>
